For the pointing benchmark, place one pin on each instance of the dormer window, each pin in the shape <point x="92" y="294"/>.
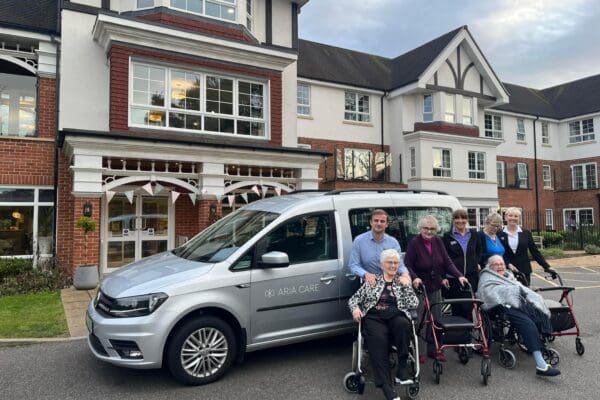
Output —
<point x="221" y="9"/>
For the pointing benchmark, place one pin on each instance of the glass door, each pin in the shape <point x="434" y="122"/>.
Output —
<point x="135" y="230"/>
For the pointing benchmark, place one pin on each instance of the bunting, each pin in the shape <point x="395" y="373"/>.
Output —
<point x="230" y="199"/>
<point x="278" y="191"/>
<point x="193" y="197"/>
<point x="129" y="195"/>
<point x="158" y="188"/>
<point x="148" y="188"/>
<point x="245" y="197"/>
<point x="174" y="196"/>
<point x="255" y="190"/>
<point x="265" y="189"/>
<point x="109" y="195"/>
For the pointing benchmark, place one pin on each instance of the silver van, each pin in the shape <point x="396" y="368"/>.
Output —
<point x="271" y="273"/>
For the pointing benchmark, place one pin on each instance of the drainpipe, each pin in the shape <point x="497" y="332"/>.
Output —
<point x="56" y="113"/>
<point x="535" y="179"/>
<point x="382" y="136"/>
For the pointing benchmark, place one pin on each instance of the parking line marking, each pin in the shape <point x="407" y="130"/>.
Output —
<point x="591" y="270"/>
<point x="544" y="279"/>
<point x="587" y="287"/>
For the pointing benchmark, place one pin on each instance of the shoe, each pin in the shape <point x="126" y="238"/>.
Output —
<point x="441" y="358"/>
<point x="549" y="371"/>
<point x="402" y="376"/>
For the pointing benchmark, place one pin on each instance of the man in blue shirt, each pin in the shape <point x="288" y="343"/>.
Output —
<point x="367" y="247"/>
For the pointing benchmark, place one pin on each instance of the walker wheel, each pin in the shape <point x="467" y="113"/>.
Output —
<point x="354" y="383"/>
<point x="486" y="368"/>
<point x="412" y="391"/>
<point x="551" y="356"/>
<point x="507" y="358"/>
<point x="437" y="371"/>
<point x="551" y="339"/>
<point x="579" y="346"/>
<point x="463" y="356"/>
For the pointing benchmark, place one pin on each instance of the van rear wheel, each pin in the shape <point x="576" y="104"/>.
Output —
<point x="201" y="351"/>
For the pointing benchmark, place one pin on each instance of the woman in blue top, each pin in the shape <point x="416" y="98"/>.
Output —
<point x="493" y="240"/>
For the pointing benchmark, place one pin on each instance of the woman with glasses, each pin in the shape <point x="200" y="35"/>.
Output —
<point x="519" y="242"/>
<point x="493" y="240"/>
<point x="464" y="249"/>
<point x="428" y="263"/>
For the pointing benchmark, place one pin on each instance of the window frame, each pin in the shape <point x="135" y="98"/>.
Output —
<point x="166" y="109"/>
<point x="522" y="179"/>
<point x="427" y="115"/>
<point x="298" y="98"/>
<point x="220" y="3"/>
<point x="478" y="172"/>
<point x="495" y="126"/>
<point x="549" y="218"/>
<point x="352" y="177"/>
<point x="412" y="159"/>
<point x="584" y="176"/>
<point x="545" y="133"/>
<point x="581" y="131"/>
<point x="577" y="212"/>
<point x="501" y="173"/>
<point x="359" y="116"/>
<point x="443" y="170"/>
<point x="547" y="177"/>
<point x="449" y="114"/>
<point x="11" y="98"/>
<point x="521" y="135"/>
<point x="467" y="118"/>
<point x="249" y="14"/>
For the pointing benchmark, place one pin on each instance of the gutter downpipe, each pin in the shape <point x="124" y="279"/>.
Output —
<point x="536" y="178"/>
<point x="382" y="135"/>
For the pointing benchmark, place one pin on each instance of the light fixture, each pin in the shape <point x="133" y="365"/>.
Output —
<point x="87" y="209"/>
<point x="17" y="215"/>
<point x="154" y="117"/>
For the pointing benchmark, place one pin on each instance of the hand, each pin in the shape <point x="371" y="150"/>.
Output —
<point x="370" y="278"/>
<point x="552" y="273"/>
<point x="357" y="314"/>
<point x="445" y="283"/>
<point x="512" y="267"/>
<point x="403" y="279"/>
<point x="417" y="282"/>
<point x="463" y="281"/>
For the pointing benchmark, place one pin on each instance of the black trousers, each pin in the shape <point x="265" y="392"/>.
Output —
<point x="377" y="332"/>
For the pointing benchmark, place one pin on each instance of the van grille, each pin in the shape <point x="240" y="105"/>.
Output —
<point x="104" y="304"/>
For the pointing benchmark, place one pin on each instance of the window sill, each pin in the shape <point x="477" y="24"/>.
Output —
<point x="582" y="143"/>
<point x="303" y="116"/>
<point x="32" y="138"/>
<point x="358" y="123"/>
<point x="521" y="142"/>
<point x="548" y="188"/>
<point x="546" y="145"/>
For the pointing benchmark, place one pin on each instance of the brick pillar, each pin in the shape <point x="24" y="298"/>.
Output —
<point x="205" y="216"/>
<point x="80" y="256"/>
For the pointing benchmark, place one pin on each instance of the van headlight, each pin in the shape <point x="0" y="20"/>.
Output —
<point x="136" y="306"/>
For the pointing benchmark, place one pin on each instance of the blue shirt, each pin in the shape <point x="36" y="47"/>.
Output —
<point x="463" y="240"/>
<point x="366" y="252"/>
<point x="493" y="247"/>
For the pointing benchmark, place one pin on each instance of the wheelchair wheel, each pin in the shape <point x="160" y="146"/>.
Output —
<point x="463" y="356"/>
<point x="486" y="370"/>
<point x="354" y="383"/>
<point x="437" y="371"/>
<point x="507" y="358"/>
<point x="412" y="391"/>
<point x="551" y="356"/>
<point x="579" y="346"/>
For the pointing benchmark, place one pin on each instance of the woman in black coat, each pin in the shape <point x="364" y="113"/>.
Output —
<point x="519" y="242"/>
<point x="464" y="248"/>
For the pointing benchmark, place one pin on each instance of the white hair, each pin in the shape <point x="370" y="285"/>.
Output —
<point x="493" y="258"/>
<point x="389" y="253"/>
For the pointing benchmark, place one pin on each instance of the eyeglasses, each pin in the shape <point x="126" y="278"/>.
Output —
<point x="495" y="226"/>
<point x="424" y="228"/>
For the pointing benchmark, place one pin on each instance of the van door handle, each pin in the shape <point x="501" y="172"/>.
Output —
<point x="243" y="286"/>
<point x="327" y="279"/>
<point x="350" y="276"/>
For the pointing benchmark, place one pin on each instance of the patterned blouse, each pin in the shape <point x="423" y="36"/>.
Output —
<point x="367" y="296"/>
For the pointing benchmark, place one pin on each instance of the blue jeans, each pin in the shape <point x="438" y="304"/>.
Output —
<point x="525" y="328"/>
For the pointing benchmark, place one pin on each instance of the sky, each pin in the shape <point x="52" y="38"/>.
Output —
<point x="534" y="43"/>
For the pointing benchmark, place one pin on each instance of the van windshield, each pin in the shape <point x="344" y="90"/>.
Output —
<point x="223" y="238"/>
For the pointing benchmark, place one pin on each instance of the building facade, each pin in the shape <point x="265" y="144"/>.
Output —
<point x="157" y="117"/>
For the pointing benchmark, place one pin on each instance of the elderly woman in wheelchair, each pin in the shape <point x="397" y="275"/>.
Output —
<point x="383" y="310"/>
<point x="525" y="310"/>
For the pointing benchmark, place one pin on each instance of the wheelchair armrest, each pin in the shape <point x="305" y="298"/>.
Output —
<point x="459" y="301"/>
<point x="567" y="289"/>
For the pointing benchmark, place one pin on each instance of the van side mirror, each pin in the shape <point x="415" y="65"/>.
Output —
<point x="274" y="259"/>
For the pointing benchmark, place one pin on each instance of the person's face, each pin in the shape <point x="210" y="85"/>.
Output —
<point x="493" y="227"/>
<point x="428" y="230"/>
<point x="390" y="266"/>
<point x="378" y="223"/>
<point x="498" y="266"/>
<point x="512" y="218"/>
<point x="460" y="222"/>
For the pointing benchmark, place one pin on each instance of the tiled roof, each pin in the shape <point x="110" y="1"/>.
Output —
<point x="524" y="100"/>
<point x="36" y="15"/>
<point x="574" y="98"/>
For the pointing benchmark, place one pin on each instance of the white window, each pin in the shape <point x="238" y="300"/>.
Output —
<point x="501" y="173"/>
<point x="303" y="93"/>
<point x="522" y="176"/>
<point x="413" y="162"/>
<point x="574" y="217"/>
<point x="221" y="9"/>
<point x="249" y="14"/>
<point x="547" y="176"/>
<point x="356" y="107"/>
<point x="17" y="102"/>
<point x="549" y="219"/>
<point x="194" y="101"/>
<point x="145" y="3"/>
<point x="493" y="126"/>
<point x="583" y="176"/>
<point x="545" y="133"/>
<point x="476" y="165"/>
<point x="520" y="129"/>
<point x="477" y="216"/>
<point x="449" y="108"/>
<point x="467" y="117"/>
<point x="581" y="131"/>
<point x="427" y="108"/>
<point x="357" y="164"/>
<point x="442" y="162"/>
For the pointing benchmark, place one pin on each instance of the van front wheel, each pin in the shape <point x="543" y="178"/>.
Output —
<point x="201" y="351"/>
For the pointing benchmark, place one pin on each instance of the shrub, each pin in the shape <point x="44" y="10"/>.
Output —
<point x="29" y="280"/>
<point x="591" y="249"/>
<point x="14" y="266"/>
<point x="552" y="252"/>
<point x="552" y="238"/>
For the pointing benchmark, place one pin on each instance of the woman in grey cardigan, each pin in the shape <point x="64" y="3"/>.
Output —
<point x="383" y="311"/>
<point x="524" y="308"/>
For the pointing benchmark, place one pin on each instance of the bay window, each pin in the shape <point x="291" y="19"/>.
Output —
<point x="165" y="97"/>
<point x="17" y="104"/>
<point x="427" y="108"/>
<point x="221" y="9"/>
<point x="467" y="117"/>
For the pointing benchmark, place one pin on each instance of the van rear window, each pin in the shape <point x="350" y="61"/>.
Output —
<point x="403" y="221"/>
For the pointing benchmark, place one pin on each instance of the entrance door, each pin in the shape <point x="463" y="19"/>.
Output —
<point x="135" y="230"/>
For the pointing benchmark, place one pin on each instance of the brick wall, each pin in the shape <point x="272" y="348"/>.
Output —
<point x="119" y="83"/>
<point x="445" y="127"/>
<point x="186" y="217"/>
<point x="46" y="108"/>
<point x="64" y="207"/>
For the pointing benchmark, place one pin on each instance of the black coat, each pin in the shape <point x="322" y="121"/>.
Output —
<point x="520" y="258"/>
<point x="468" y="262"/>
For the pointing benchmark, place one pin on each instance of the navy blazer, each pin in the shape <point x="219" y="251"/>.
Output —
<point x="520" y="258"/>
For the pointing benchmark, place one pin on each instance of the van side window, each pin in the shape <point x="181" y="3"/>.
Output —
<point x="403" y="221"/>
<point x="305" y="239"/>
<point x="244" y="262"/>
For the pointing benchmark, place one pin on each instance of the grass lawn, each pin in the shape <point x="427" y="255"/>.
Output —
<point x="33" y="315"/>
